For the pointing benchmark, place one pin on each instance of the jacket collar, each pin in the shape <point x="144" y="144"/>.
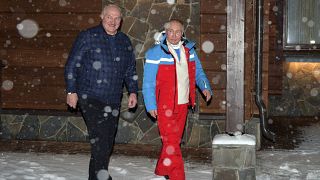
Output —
<point x="186" y="43"/>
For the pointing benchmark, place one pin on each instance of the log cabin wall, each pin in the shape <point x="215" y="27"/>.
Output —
<point x="213" y="29"/>
<point x="37" y="36"/>
<point x="38" y="64"/>
<point x="276" y="53"/>
<point x="142" y="20"/>
<point x="266" y="54"/>
<point x="251" y="107"/>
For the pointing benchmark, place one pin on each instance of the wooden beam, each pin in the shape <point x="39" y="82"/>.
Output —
<point x="235" y="65"/>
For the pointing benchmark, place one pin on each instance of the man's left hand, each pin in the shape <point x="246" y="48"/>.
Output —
<point x="132" y="101"/>
<point x="207" y="94"/>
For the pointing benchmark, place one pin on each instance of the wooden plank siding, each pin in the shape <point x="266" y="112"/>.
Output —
<point x="36" y="65"/>
<point x="52" y="6"/>
<point x="265" y="55"/>
<point x="213" y="18"/>
<point x="51" y="22"/>
<point x="213" y="28"/>
<point x="275" y="47"/>
<point x="249" y="59"/>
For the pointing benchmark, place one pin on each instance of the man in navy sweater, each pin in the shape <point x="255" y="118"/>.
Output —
<point x="100" y="63"/>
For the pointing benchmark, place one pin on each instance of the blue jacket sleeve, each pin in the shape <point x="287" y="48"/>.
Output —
<point x="76" y="54"/>
<point x="149" y="80"/>
<point x="201" y="78"/>
<point x="131" y="78"/>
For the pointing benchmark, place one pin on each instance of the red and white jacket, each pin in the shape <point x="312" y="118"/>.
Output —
<point x="160" y="82"/>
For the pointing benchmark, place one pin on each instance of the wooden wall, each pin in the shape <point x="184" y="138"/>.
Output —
<point x="250" y="37"/>
<point x="275" y="47"/>
<point x="213" y="28"/>
<point x="35" y="65"/>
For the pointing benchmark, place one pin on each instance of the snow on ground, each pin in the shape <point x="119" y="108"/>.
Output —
<point x="288" y="165"/>
<point x="271" y="165"/>
<point x="32" y="166"/>
<point x="302" y="163"/>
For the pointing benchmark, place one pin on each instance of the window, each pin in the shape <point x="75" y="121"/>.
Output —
<point x="301" y="24"/>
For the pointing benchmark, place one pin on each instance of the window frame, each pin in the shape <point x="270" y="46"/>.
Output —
<point x="293" y="46"/>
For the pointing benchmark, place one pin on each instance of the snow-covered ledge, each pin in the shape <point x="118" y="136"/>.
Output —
<point x="234" y="157"/>
<point x="238" y="138"/>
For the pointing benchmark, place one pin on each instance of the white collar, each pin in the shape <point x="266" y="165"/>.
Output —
<point x="175" y="46"/>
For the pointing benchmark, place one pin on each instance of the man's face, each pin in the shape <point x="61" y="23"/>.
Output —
<point x="111" y="19"/>
<point x="174" y="33"/>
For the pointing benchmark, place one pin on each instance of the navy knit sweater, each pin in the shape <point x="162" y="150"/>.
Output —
<point x="99" y="64"/>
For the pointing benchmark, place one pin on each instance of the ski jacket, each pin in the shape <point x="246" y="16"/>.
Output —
<point x="160" y="81"/>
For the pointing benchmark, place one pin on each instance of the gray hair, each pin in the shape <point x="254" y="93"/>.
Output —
<point x="106" y="7"/>
<point x="167" y="25"/>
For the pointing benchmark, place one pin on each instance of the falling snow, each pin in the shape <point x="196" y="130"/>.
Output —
<point x="96" y="65"/>
<point x="170" y="150"/>
<point x="271" y="164"/>
<point x="314" y="92"/>
<point x="304" y="19"/>
<point x="167" y="162"/>
<point x="207" y="47"/>
<point x="107" y="109"/>
<point x="153" y="11"/>
<point x="91" y="21"/>
<point x="310" y="23"/>
<point x="135" y="77"/>
<point x="170" y="2"/>
<point x="7" y="85"/>
<point x="84" y="96"/>
<point x="28" y="28"/>
<point x="168" y="113"/>
<point x="115" y="112"/>
<point x="103" y="175"/>
<point x="62" y="3"/>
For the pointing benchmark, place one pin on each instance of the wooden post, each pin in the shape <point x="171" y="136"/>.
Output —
<point x="235" y="65"/>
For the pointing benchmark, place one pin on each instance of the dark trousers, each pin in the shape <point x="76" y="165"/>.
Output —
<point x="101" y="120"/>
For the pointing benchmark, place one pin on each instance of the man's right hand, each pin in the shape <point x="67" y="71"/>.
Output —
<point x="72" y="100"/>
<point x="154" y="113"/>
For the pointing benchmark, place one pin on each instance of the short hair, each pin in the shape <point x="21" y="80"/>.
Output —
<point x="168" y="24"/>
<point x="110" y="6"/>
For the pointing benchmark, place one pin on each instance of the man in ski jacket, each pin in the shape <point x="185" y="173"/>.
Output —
<point x="171" y="72"/>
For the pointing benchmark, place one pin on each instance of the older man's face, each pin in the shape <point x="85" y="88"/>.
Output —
<point x="174" y="33"/>
<point x="111" y="19"/>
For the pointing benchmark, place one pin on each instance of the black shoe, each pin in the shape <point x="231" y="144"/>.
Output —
<point x="166" y="176"/>
<point x="110" y="178"/>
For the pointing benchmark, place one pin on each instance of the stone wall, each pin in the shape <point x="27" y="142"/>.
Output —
<point x="142" y="20"/>
<point x="301" y="91"/>
<point x="133" y="128"/>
